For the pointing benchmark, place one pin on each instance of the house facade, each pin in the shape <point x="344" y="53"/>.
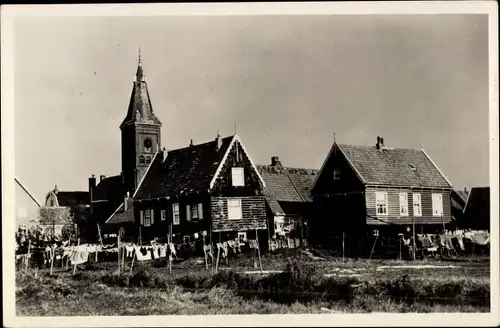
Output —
<point x="360" y="189"/>
<point x="211" y="188"/>
<point x="288" y="199"/>
<point x="76" y="204"/>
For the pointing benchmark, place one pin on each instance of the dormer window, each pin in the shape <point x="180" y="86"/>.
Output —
<point x="336" y="174"/>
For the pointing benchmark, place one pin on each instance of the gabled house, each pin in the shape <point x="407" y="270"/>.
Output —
<point x="213" y="187"/>
<point x="288" y="198"/>
<point x="364" y="188"/>
<point x="477" y="209"/>
<point x="76" y="203"/>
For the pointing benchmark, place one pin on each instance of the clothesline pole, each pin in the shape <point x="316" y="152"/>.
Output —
<point x="118" y="243"/>
<point x="123" y="258"/>
<point x="343" y="247"/>
<point x="27" y="257"/>
<point x="52" y="255"/>
<point x="132" y="265"/>
<point x="74" y="268"/>
<point x="373" y="248"/>
<point x="258" y="248"/>
<point x="211" y="250"/>
<point x="414" y="242"/>
<point x="204" y="252"/>
<point x="218" y="255"/>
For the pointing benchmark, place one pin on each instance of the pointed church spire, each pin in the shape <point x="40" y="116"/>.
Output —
<point x="139" y="76"/>
<point x="140" y="109"/>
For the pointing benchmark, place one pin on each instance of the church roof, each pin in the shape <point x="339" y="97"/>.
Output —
<point x="139" y="108"/>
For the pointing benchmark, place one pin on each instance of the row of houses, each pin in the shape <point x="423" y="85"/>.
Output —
<point x="215" y="186"/>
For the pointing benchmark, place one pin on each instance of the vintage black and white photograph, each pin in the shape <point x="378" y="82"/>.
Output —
<point x="176" y="164"/>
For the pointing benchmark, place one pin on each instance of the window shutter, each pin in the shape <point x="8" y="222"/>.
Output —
<point x="200" y="211"/>
<point x="152" y="216"/>
<point x="141" y="218"/>
<point x="188" y="213"/>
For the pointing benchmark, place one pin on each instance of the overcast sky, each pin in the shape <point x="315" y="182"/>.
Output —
<point x="288" y="82"/>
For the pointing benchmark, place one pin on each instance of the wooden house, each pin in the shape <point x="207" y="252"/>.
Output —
<point x="213" y="187"/>
<point x="477" y="209"/>
<point x="288" y="198"/>
<point x="360" y="189"/>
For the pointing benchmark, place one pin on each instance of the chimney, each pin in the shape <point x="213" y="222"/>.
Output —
<point x="165" y="153"/>
<point x="191" y="143"/>
<point x="127" y="195"/>
<point x="378" y="143"/>
<point x="102" y="177"/>
<point x="275" y="161"/>
<point x="91" y="192"/>
<point x="56" y="191"/>
<point x="218" y="142"/>
<point x="381" y="142"/>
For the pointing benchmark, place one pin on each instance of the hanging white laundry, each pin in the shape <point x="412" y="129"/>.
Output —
<point x="172" y="249"/>
<point x="196" y="235"/>
<point x="140" y="256"/>
<point x="156" y="254"/>
<point x="163" y="251"/>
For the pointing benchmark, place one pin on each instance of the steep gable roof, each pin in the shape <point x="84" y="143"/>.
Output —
<point x="392" y="166"/>
<point x="285" y="184"/>
<point x="121" y="216"/>
<point x="185" y="170"/>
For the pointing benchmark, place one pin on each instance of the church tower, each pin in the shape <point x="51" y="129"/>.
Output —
<point x="140" y="129"/>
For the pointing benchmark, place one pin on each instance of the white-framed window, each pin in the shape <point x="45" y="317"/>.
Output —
<point x="176" y="217"/>
<point x="148" y="217"/>
<point x="163" y="215"/>
<point x="336" y="174"/>
<point x="141" y="215"/>
<point x="417" y="204"/>
<point x="242" y="238"/>
<point x="238" y="177"/>
<point x="234" y="209"/>
<point x="186" y="239"/>
<point x="403" y="204"/>
<point x="381" y="202"/>
<point x="200" y="211"/>
<point x="437" y="204"/>
<point x="194" y="211"/>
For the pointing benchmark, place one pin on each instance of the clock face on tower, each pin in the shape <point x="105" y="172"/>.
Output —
<point x="147" y="145"/>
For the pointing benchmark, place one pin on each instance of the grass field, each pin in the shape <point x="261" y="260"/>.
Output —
<point x="299" y="285"/>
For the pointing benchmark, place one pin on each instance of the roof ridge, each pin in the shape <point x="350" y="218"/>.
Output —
<point x="197" y="145"/>
<point x="384" y="147"/>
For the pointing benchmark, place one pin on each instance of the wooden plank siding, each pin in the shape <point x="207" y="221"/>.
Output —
<point x="394" y="209"/>
<point x="253" y="214"/>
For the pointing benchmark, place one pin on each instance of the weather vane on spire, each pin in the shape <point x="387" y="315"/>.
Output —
<point x="140" y="61"/>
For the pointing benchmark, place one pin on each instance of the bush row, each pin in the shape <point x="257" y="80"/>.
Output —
<point x="301" y="282"/>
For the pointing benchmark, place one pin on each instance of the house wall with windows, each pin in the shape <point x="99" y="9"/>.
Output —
<point x="433" y="207"/>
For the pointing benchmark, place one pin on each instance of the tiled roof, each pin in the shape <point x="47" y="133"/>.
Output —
<point x="458" y="199"/>
<point x="109" y="188"/>
<point x="394" y="166"/>
<point x="72" y="198"/>
<point x="184" y="170"/>
<point x="120" y="216"/>
<point x="140" y="109"/>
<point x="285" y="184"/>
